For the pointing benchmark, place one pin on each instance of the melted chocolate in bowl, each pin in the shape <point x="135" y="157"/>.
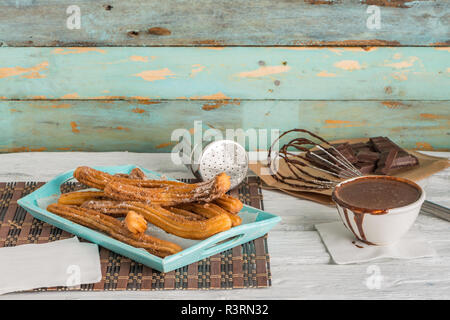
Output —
<point x="376" y="194"/>
<point x="373" y="195"/>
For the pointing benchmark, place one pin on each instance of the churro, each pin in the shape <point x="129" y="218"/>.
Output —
<point x="112" y="208"/>
<point x="172" y="221"/>
<point x="174" y="224"/>
<point x="170" y="195"/>
<point x="109" y="207"/>
<point x="98" y="179"/>
<point x="79" y="197"/>
<point x="210" y="210"/>
<point x="229" y="203"/>
<point x="186" y="214"/>
<point x="114" y="228"/>
<point x="185" y="210"/>
<point x="136" y="174"/>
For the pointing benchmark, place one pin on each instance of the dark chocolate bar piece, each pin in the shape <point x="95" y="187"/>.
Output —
<point x="359" y="145"/>
<point x="375" y="140"/>
<point x="367" y="156"/>
<point x="386" y="161"/>
<point x="404" y="159"/>
<point x="383" y="144"/>
<point x="379" y="154"/>
<point x="316" y="161"/>
<point x="365" y="167"/>
<point x="366" y="149"/>
<point x="346" y="151"/>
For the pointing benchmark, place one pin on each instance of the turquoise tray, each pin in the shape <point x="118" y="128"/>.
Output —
<point x="201" y="250"/>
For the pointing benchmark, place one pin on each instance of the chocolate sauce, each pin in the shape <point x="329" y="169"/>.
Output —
<point x="373" y="195"/>
<point x="348" y="223"/>
<point x="359" y="219"/>
<point x="357" y="245"/>
<point x="377" y="193"/>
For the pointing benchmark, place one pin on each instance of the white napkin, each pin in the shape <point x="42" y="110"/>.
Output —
<point x="59" y="263"/>
<point x="345" y="249"/>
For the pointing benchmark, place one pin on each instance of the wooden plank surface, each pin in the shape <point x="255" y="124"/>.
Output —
<point x="223" y="23"/>
<point x="300" y="264"/>
<point x="141" y="126"/>
<point x="229" y="73"/>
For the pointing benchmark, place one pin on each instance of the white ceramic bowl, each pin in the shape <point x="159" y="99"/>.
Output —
<point x="380" y="229"/>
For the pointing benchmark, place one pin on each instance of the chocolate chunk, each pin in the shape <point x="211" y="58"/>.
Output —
<point x="376" y="140"/>
<point x="365" y="167"/>
<point x="344" y="148"/>
<point x="404" y="159"/>
<point x="367" y="149"/>
<point x="384" y="164"/>
<point x="346" y="151"/>
<point x="367" y="156"/>
<point x="379" y="144"/>
<point x="383" y="144"/>
<point x="316" y="161"/>
<point x="383" y="147"/>
<point x="359" y="145"/>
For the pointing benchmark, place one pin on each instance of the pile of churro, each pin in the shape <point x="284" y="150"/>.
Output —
<point x="191" y="211"/>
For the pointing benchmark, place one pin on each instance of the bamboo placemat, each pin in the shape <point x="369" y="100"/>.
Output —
<point x="245" y="266"/>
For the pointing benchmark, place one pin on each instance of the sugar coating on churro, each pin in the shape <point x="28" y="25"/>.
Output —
<point x="114" y="228"/>
<point x="185" y="210"/>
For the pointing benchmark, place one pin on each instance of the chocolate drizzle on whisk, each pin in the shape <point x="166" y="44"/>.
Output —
<point x="335" y="164"/>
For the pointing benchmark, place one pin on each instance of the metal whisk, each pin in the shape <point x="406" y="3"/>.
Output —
<point x="335" y="164"/>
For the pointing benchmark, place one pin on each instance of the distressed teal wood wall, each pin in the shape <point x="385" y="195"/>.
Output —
<point x="229" y="73"/>
<point x="224" y="22"/>
<point x="140" y="126"/>
<point x="141" y="69"/>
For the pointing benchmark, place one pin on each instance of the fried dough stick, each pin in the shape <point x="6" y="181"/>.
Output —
<point x="99" y="179"/>
<point x="108" y="207"/>
<point x="170" y="196"/>
<point x="136" y="174"/>
<point x="174" y="224"/>
<point x="113" y="209"/>
<point x="171" y="221"/>
<point x="114" y="228"/>
<point x="157" y="191"/>
<point x="210" y="210"/>
<point x="229" y="203"/>
<point x="77" y="198"/>
<point x="186" y="214"/>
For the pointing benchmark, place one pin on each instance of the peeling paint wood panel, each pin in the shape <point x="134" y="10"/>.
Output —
<point x="73" y="125"/>
<point x="237" y="22"/>
<point x="229" y="73"/>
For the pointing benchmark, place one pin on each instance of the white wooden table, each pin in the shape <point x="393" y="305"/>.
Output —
<point x="300" y="265"/>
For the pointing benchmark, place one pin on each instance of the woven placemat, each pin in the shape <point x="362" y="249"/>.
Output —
<point x="245" y="266"/>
